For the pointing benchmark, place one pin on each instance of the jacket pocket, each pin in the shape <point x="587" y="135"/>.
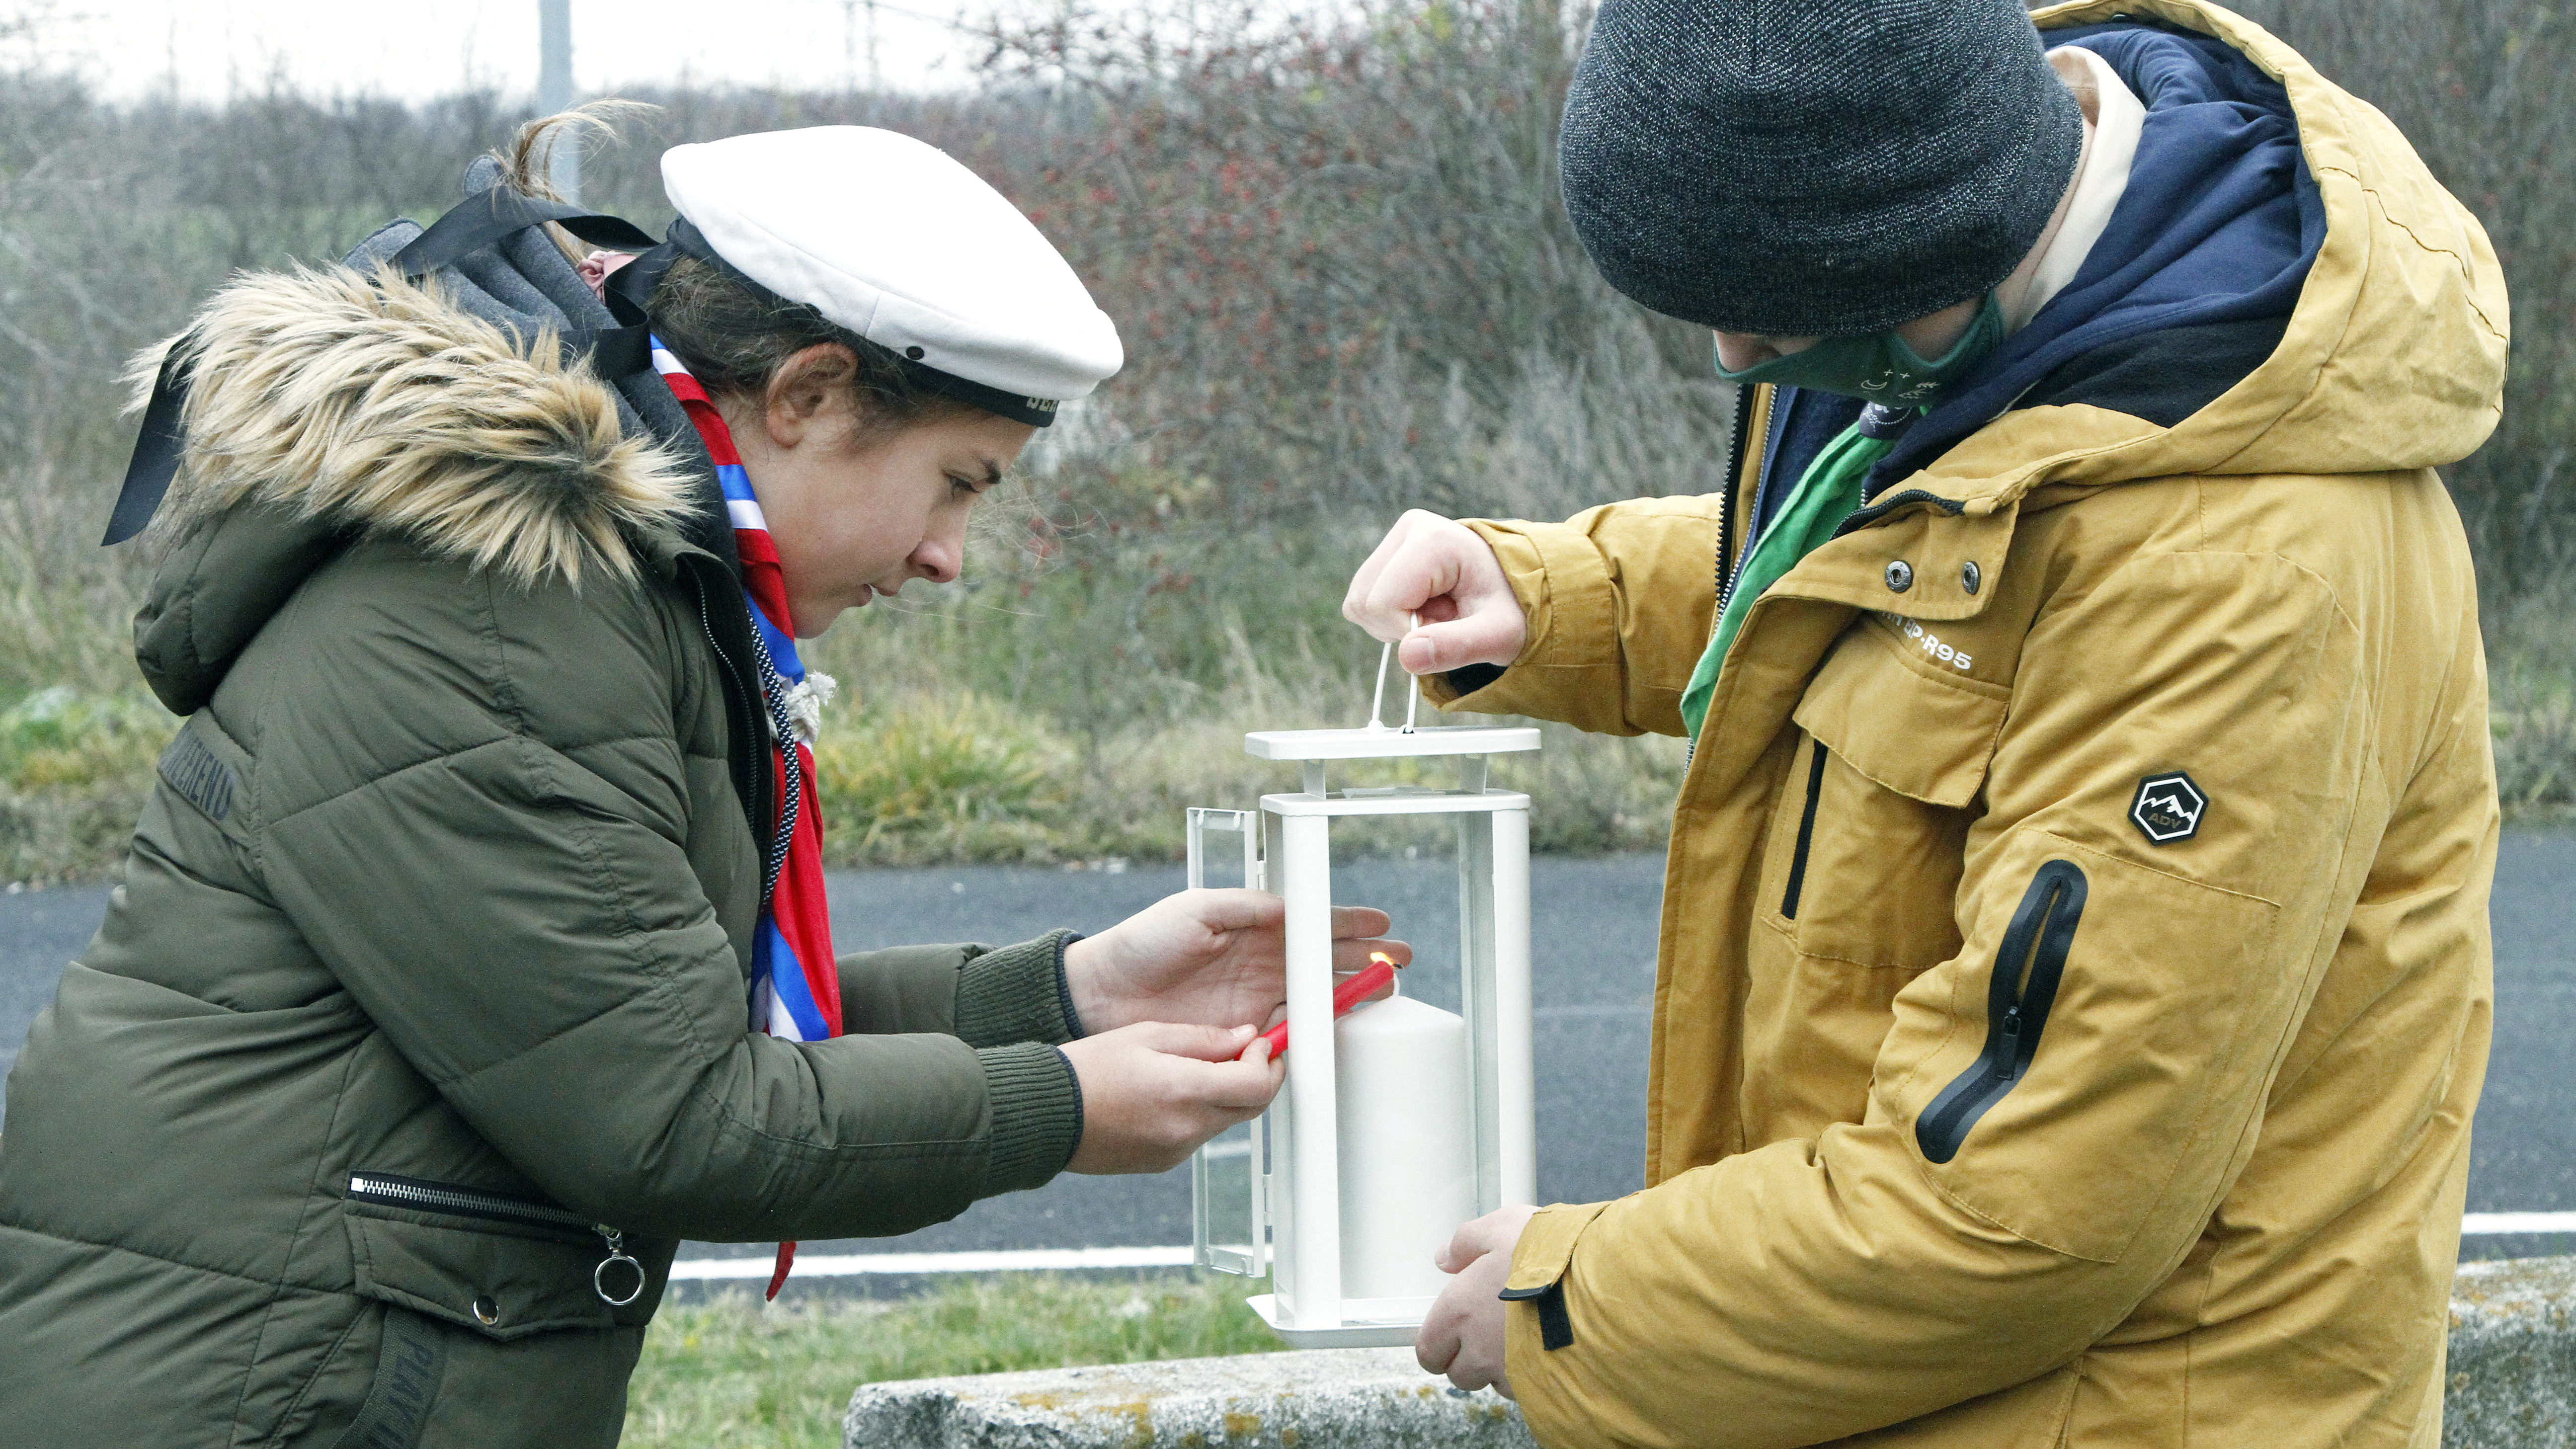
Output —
<point x="1871" y="825"/>
<point x="504" y="1266"/>
<point x="2028" y="966"/>
<point x="1926" y="737"/>
<point x="1863" y="847"/>
<point x="2089" y="1065"/>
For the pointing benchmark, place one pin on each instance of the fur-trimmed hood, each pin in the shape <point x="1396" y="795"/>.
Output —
<point x="373" y="405"/>
<point x="337" y="405"/>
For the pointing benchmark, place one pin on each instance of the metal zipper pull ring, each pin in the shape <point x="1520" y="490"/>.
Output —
<point x="616" y="1254"/>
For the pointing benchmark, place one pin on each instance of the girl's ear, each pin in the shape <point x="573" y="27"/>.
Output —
<point x="808" y="387"/>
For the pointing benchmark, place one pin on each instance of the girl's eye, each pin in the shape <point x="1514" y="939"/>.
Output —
<point x="962" y="485"/>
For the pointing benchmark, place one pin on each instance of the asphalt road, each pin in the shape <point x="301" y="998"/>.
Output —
<point x="1594" y="926"/>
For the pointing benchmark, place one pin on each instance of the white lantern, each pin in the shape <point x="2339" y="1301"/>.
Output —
<point x="1401" y="1121"/>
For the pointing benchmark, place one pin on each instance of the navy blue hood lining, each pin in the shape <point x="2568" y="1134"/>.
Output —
<point x="2189" y="289"/>
<point x="2218" y="225"/>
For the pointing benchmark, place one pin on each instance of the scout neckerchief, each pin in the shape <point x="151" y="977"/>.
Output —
<point x="1827" y="493"/>
<point x="796" y="990"/>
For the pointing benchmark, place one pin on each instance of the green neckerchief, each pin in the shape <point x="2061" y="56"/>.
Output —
<point x="1826" y="494"/>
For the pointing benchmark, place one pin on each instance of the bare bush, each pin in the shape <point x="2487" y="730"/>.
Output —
<point x="1333" y="243"/>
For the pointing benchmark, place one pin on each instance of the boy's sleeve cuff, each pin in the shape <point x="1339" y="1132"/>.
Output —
<point x="1037" y="1116"/>
<point x="1017" y="994"/>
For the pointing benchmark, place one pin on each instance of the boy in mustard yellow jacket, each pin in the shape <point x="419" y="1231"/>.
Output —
<point x="2074" y="981"/>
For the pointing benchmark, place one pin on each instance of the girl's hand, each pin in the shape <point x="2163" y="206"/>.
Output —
<point x="1152" y="1092"/>
<point x="1443" y="572"/>
<point x="1208" y="958"/>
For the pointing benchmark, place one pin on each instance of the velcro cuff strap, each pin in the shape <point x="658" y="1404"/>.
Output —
<point x="1539" y="1262"/>
<point x="1555" y="1327"/>
<point x="1547" y="1245"/>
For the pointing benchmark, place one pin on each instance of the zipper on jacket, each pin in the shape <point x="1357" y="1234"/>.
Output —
<point x="1726" y="501"/>
<point x="746" y="724"/>
<point x="1869" y="513"/>
<point x="1806" y="834"/>
<point x="1735" y="442"/>
<point x="2028" y="966"/>
<point x="1730" y="560"/>
<point x="419" y="1195"/>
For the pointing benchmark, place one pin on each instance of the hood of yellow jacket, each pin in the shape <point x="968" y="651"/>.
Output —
<point x="2393" y="357"/>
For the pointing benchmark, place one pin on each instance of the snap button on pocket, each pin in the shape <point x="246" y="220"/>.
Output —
<point x="1970" y="576"/>
<point x="1900" y="575"/>
<point x="486" y="1312"/>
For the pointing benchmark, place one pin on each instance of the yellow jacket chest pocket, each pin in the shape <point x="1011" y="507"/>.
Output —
<point x="1860" y="874"/>
<point x="1870" y="827"/>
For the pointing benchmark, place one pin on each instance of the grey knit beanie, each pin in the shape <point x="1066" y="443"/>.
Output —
<point x="1813" y="167"/>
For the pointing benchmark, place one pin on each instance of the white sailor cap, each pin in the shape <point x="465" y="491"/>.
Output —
<point x="894" y="240"/>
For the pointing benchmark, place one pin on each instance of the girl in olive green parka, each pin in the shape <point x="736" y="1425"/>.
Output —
<point x="423" y="1000"/>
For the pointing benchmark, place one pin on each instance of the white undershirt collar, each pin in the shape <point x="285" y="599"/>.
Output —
<point x="2116" y="118"/>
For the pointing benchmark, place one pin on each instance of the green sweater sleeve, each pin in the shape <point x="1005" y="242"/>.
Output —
<point x="1011" y="1005"/>
<point x="985" y="996"/>
<point x="1017" y="993"/>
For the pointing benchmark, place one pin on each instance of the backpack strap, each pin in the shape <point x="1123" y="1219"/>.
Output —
<point x="478" y="222"/>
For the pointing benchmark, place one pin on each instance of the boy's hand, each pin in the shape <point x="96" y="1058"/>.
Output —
<point x="1152" y="1092"/>
<point x="1210" y="958"/>
<point x="1441" y="570"/>
<point x="1462" y="1336"/>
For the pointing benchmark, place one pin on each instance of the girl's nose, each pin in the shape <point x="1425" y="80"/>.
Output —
<point x="940" y="557"/>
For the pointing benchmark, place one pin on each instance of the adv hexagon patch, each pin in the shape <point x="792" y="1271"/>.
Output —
<point x="2168" y="808"/>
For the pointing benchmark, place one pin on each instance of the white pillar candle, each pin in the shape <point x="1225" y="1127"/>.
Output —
<point x="1407" y="1145"/>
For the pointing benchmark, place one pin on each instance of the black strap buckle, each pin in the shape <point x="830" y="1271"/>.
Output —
<point x="1555" y="1325"/>
<point x="476" y="223"/>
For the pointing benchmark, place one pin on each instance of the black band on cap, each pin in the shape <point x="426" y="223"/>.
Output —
<point x="1037" y="412"/>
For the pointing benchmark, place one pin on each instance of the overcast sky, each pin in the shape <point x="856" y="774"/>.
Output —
<point x="418" y="48"/>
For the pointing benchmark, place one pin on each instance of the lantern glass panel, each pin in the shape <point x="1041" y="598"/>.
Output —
<point x="1230" y="1233"/>
<point x="1229" y="1227"/>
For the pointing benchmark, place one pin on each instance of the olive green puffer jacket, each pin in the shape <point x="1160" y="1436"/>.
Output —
<point x="426" y="980"/>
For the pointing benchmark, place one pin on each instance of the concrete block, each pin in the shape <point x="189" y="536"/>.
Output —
<point x="1334" y="1398"/>
<point x="2512" y="1385"/>
<point x="2513" y="1356"/>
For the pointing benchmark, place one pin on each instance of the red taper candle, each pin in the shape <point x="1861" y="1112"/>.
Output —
<point x="1360" y="986"/>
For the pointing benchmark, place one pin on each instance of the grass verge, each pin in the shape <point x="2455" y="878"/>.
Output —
<point x="971" y="733"/>
<point x="74" y="770"/>
<point x="736" y="1372"/>
<point x="2531" y="699"/>
<point x="917" y="769"/>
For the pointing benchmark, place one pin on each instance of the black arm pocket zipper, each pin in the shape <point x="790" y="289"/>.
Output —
<point x="617" y="1274"/>
<point x="2027" y="968"/>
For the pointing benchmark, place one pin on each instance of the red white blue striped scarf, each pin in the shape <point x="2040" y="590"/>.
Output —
<point x="796" y="990"/>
